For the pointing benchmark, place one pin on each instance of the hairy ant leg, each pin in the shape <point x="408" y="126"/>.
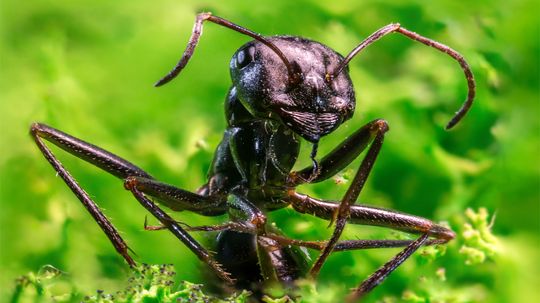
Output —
<point x="372" y="133"/>
<point x="363" y="214"/>
<point x="122" y="169"/>
<point x="369" y="215"/>
<point x="203" y="254"/>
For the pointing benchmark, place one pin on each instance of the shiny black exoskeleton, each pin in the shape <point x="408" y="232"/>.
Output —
<point x="284" y="90"/>
<point x="266" y="116"/>
<point x="312" y="107"/>
<point x="265" y="119"/>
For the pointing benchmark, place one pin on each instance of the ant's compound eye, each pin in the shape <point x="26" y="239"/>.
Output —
<point x="245" y="56"/>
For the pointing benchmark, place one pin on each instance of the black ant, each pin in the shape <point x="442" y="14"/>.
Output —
<point x="284" y="88"/>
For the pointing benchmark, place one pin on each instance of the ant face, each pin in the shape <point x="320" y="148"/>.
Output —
<point x="312" y="106"/>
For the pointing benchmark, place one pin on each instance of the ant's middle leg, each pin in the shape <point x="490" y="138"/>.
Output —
<point x="124" y="170"/>
<point x="368" y="215"/>
<point x="246" y="233"/>
<point x="204" y="255"/>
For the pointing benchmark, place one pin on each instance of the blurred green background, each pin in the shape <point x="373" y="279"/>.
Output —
<point x="87" y="68"/>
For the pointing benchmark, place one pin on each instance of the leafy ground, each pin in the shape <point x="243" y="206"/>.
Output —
<point x="89" y="69"/>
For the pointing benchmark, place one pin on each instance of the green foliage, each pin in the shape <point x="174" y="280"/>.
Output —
<point x="87" y="67"/>
<point x="40" y="286"/>
<point x="155" y="283"/>
<point x="147" y="284"/>
<point x="479" y="242"/>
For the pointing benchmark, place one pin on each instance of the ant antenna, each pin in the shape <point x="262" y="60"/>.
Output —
<point x="196" y="34"/>
<point x="396" y="27"/>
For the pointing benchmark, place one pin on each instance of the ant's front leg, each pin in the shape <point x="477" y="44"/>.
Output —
<point x="341" y="156"/>
<point x="175" y="198"/>
<point x="336" y="160"/>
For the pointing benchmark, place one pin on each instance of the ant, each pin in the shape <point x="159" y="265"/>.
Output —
<point x="284" y="89"/>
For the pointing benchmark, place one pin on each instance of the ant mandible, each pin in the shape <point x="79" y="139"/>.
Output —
<point x="284" y="88"/>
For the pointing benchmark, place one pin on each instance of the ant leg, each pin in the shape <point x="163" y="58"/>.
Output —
<point x="339" y="157"/>
<point x="286" y="241"/>
<point x="117" y="167"/>
<point x="87" y="152"/>
<point x="377" y="129"/>
<point x="369" y="215"/>
<point x="246" y="214"/>
<point x="276" y="262"/>
<point x="178" y="231"/>
<point x="234" y="226"/>
<point x="347" y="244"/>
<point x="378" y="276"/>
<point x="247" y="218"/>
<point x="176" y="198"/>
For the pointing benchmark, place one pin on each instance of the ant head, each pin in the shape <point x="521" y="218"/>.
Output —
<point x="302" y="82"/>
<point x="310" y="102"/>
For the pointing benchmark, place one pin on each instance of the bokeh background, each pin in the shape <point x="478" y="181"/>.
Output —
<point x="87" y="67"/>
